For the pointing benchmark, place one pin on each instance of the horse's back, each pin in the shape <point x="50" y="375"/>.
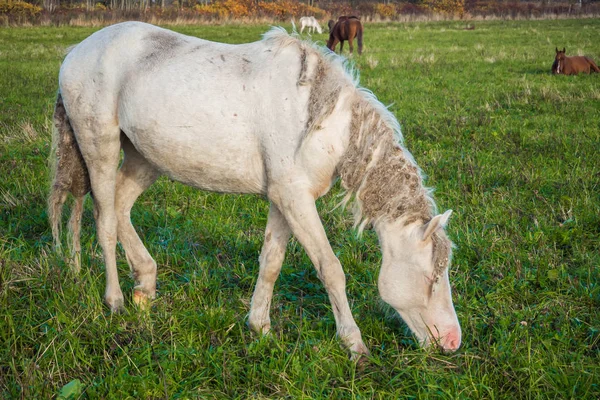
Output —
<point x="592" y="64"/>
<point x="579" y="64"/>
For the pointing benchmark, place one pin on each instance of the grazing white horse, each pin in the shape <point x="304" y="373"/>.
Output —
<point x="311" y="23"/>
<point x="286" y="119"/>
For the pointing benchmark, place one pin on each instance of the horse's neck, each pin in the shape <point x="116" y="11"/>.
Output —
<point x="381" y="174"/>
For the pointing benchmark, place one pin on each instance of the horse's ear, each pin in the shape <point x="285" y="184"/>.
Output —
<point x="437" y="222"/>
<point x="564" y="50"/>
<point x="556" y="49"/>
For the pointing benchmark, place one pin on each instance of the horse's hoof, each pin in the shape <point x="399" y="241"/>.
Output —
<point x="141" y="300"/>
<point x="260" y="328"/>
<point x="115" y="303"/>
<point x="359" y="351"/>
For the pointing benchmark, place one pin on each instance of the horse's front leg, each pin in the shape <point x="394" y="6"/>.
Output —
<point x="300" y="212"/>
<point x="277" y="235"/>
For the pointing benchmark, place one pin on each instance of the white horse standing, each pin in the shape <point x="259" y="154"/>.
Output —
<point x="286" y="120"/>
<point x="311" y="23"/>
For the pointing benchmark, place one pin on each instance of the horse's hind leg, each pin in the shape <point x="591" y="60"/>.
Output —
<point x="277" y="235"/>
<point x="351" y="45"/>
<point x="135" y="176"/>
<point x="100" y="146"/>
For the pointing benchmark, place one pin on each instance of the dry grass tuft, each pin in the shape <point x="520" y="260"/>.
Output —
<point x="7" y="199"/>
<point x="372" y="62"/>
<point x="551" y="93"/>
<point x="23" y="133"/>
<point x="424" y="59"/>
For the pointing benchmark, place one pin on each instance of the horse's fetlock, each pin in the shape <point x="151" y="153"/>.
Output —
<point x="352" y="340"/>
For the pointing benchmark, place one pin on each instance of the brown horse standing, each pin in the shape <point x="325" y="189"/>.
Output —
<point x="346" y="28"/>
<point x="572" y="65"/>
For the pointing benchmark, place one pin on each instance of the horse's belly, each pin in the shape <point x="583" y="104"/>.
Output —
<point x="212" y="161"/>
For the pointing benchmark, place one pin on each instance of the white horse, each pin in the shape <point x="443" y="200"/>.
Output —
<point x="286" y="119"/>
<point x="311" y="23"/>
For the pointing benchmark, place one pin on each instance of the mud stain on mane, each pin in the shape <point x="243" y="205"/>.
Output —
<point x="325" y="86"/>
<point x="323" y="97"/>
<point x="442" y="250"/>
<point x="385" y="182"/>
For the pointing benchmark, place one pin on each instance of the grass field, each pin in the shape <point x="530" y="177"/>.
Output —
<point x="513" y="150"/>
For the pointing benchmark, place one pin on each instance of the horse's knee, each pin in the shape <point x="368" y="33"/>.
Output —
<point x="330" y="272"/>
<point x="147" y="266"/>
<point x="269" y="275"/>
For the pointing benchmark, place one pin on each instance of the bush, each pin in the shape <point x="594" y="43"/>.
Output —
<point x="455" y="7"/>
<point x="285" y="9"/>
<point x="411" y="9"/>
<point x="385" y="10"/>
<point x="281" y="10"/>
<point x="19" y="9"/>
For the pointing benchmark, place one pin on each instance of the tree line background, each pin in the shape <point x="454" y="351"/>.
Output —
<point x="181" y="11"/>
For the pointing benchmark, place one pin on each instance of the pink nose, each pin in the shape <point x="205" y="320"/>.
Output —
<point x="451" y="340"/>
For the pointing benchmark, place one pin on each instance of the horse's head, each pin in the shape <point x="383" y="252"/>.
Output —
<point x="559" y="61"/>
<point x="414" y="278"/>
<point x="331" y="24"/>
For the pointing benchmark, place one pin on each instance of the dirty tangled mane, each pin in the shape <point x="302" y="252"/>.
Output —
<point x="376" y="171"/>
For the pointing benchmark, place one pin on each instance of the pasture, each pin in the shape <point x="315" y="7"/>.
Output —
<point x="512" y="149"/>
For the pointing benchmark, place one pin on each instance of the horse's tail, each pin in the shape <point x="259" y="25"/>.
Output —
<point x="69" y="175"/>
<point x="359" y="37"/>
<point x="593" y="65"/>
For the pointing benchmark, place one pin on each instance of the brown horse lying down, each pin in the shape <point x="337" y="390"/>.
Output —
<point x="572" y="65"/>
<point x="346" y="28"/>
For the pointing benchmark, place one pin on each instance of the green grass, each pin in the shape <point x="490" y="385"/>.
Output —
<point x="510" y="148"/>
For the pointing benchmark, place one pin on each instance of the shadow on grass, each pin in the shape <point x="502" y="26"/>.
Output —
<point x="538" y="71"/>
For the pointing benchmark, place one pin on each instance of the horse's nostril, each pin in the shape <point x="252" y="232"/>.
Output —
<point x="451" y="342"/>
<point x="453" y="345"/>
